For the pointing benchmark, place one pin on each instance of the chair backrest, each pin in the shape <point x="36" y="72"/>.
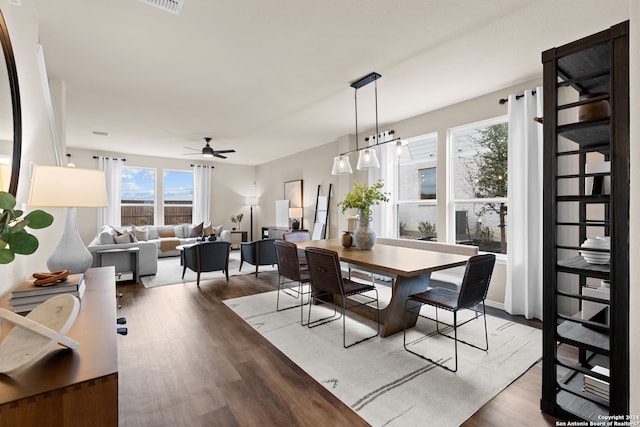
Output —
<point x="324" y="270"/>
<point x="296" y="236"/>
<point x="211" y="256"/>
<point x="475" y="282"/>
<point x="288" y="262"/>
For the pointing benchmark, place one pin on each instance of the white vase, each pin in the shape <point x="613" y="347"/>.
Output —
<point x="365" y="236"/>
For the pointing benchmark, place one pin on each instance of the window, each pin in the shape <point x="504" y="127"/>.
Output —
<point x="417" y="204"/>
<point x="177" y="196"/>
<point x="138" y="196"/>
<point x="479" y="172"/>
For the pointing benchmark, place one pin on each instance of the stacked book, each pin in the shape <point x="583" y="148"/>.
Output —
<point x="596" y="386"/>
<point x="28" y="296"/>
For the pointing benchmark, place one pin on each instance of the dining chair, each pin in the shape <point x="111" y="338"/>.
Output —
<point x="473" y="292"/>
<point x="206" y="256"/>
<point x="327" y="281"/>
<point x="296" y="237"/>
<point x="291" y="272"/>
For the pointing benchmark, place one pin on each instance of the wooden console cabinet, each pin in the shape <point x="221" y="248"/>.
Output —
<point x="67" y="388"/>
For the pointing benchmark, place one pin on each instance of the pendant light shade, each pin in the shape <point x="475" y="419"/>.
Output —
<point x="341" y="165"/>
<point x="368" y="159"/>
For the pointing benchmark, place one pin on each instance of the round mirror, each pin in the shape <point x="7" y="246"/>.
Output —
<point x="10" y="116"/>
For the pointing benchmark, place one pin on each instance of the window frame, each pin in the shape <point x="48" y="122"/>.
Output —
<point x="155" y="194"/>
<point x="163" y="202"/>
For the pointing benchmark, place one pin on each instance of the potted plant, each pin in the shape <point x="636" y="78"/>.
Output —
<point x="14" y="238"/>
<point x="362" y="197"/>
<point x="237" y="219"/>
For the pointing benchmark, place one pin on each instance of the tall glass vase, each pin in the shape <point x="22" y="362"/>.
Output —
<point x="365" y="236"/>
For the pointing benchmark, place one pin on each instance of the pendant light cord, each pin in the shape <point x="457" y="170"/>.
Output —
<point x="355" y="98"/>
<point x="375" y="85"/>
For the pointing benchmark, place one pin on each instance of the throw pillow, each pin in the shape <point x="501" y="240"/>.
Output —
<point x="124" y="238"/>
<point x="197" y="230"/>
<point x="208" y="229"/>
<point x="180" y="231"/>
<point x="166" y="231"/>
<point x="142" y="234"/>
<point x="217" y="230"/>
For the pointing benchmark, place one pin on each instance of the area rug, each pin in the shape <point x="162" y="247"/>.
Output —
<point x="383" y="383"/>
<point x="170" y="271"/>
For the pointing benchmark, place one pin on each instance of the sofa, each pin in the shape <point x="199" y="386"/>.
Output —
<point x="154" y="241"/>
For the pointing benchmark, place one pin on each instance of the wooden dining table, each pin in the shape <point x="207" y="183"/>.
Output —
<point x="409" y="268"/>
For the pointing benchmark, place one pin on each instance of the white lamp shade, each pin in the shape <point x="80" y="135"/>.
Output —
<point x="295" y="212"/>
<point x="251" y="201"/>
<point x="368" y="159"/>
<point x="65" y="187"/>
<point x="341" y="166"/>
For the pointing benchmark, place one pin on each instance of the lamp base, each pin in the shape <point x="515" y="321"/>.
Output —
<point x="71" y="253"/>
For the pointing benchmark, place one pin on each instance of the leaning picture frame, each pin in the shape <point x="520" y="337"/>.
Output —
<point x="293" y="193"/>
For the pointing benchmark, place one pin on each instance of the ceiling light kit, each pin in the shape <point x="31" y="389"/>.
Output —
<point x="172" y="6"/>
<point x="367" y="157"/>
<point x="208" y="151"/>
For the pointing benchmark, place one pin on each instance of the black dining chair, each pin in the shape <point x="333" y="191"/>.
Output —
<point x="206" y="256"/>
<point x="472" y="293"/>
<point x="327" y="281"/>
<point x="291" y="272"/>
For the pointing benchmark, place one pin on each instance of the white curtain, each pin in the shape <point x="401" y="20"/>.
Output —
<point x="523" y="294"/>
<point x="201" y="194"/>
<point x="113" y="174"/>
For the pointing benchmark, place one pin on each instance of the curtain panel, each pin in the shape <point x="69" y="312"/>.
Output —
<point x="112" y="168"/>
<point x="201" y="194"/>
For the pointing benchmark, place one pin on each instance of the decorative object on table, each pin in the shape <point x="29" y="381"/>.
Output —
<point x="70" y="188"/>
<point x="49" y="279"/>
<point x="14" y="238"/>
<point x="212" y="238"/>
<point x="596" y="257"/>
<point x="347" y="239"/>
<point x="28" y="295"/>
<point x="295" y="214"/>
<point x="37" y="333"/>
<point x="237" y="219"/>
<point x="362" y="197"/>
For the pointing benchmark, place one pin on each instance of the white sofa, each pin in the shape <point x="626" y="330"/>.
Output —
<point x="153" y="241"/>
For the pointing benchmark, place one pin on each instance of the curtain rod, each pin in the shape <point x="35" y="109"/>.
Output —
<point x="505" y="100"/>
<point x="107" y="157"/>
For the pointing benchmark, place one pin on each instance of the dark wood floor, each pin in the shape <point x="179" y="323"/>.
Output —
<point x="190" y="361"/>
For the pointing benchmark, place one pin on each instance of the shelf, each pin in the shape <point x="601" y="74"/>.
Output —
<point x="586" y="133"/>
<point x="578" y="265"/>
<point x="600" y="198"/>
<point x="588" y="69"/>
<point x="577" y="335"/>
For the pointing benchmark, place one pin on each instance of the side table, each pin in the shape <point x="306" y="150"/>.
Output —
<point x="237" y="237"/>
<point x="126" y="262"/>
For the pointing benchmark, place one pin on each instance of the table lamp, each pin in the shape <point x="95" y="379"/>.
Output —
<point x="70" y="188"/>
<point x="296" y="215"/>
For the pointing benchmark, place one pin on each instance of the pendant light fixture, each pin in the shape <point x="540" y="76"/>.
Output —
<point x="367" y="157"/>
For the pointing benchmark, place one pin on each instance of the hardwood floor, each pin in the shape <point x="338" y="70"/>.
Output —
<point x="188" y="360"/>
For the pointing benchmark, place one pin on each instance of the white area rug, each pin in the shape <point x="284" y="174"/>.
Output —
<point x="170" y="271"/>
<point x="383" y="383"/>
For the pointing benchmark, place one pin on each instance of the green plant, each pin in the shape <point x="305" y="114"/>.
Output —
<point x="363" y="196"/>
<point x="14" y="239"/>
<point x="237" y="218"/>
<point x="426" y="229"/>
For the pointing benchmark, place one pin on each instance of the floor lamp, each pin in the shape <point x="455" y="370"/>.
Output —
<point x="69" y="188"/>
<point x="251" y="201"/>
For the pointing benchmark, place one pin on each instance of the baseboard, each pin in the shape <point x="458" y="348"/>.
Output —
<point x="494" y="304"/>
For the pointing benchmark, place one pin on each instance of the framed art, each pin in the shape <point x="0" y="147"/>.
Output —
<point x="293" y="193"/>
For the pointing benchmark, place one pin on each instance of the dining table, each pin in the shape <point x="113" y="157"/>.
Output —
<point x="409" y="268"/>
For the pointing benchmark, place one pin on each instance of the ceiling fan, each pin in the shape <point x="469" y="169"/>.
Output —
<point x="207" y="151"/>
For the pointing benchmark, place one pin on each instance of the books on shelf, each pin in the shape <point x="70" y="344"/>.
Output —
<point x="28" y="296"/>
<point x="597" y="386"/>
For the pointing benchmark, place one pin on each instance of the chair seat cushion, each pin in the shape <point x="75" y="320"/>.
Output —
<point x="440" y="297"/>
<point x="352" y="288"/>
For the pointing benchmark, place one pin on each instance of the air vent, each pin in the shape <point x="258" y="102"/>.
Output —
<point x="99" y="133"/>
<point x="173" y="6"/>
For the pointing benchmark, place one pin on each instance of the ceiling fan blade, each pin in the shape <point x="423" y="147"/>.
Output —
<point x="225" y="151"/>
<point x="194" y="149"/>
<point x="215" y="153"/>
<point x="189" y="154"/>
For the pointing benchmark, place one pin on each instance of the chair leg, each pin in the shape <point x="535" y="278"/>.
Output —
<point x="198" y="279"/>
<point x="184" y="269"/>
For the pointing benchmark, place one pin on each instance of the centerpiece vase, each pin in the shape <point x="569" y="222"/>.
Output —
<point x="365" y="236"/>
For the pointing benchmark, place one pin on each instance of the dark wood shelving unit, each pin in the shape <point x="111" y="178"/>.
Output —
<point x="597" y="66"/>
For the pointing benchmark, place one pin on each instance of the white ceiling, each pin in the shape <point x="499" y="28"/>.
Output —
<point x="271" y="78"/>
